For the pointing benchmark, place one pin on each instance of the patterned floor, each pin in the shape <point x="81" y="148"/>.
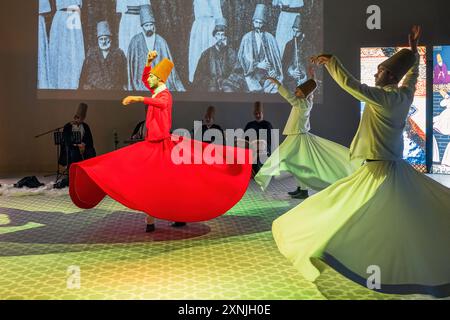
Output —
<point x="51" y="250"/>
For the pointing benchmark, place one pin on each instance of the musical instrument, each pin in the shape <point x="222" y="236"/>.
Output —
<point x="270" y="68"/>
<point x="298" y="68"/>
<point x="261" y="75"/>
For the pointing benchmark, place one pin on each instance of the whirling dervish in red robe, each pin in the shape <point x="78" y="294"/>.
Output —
<point x="144" y="176"/>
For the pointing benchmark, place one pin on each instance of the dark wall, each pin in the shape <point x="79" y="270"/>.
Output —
<point x="22" y="116"/>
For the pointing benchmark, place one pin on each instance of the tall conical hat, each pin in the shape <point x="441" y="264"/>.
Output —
<point x="221" y="25"/>
<point x="103" y="29"/>
<point x="82" y="111"/>
<point x="211" y="110"/>
<point x="163" y="69"/>
<point x="400" y="63"/>
<point x="297" y="22"/>
<point x="308" y="87"/>
<point x="259" y="106"/>
<point x="260" y="12"/>
<point x="146" y="14"/>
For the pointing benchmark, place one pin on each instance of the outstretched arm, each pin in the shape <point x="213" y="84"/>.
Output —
<point x="160" y="103"/>
<point x="288" y="96"/>
<point x="412" y="76"/>
<point x="291" y="98"/>
<point x="152" y="55"/>
<point x="362" y="92"/>
<point x="154" y="102"/>
<point x="410" y="81"/>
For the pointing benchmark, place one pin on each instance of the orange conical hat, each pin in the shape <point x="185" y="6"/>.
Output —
<point x="163" y="69"/>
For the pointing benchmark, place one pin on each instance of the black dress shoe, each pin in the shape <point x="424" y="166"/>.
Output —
<point x="303" y="194"/>
<point x="178" y="224"/>
<point x="293" y="193"/>
<point x="150" y="228"/>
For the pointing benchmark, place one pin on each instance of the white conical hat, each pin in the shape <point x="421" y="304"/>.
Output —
<point x="260" y="12"/>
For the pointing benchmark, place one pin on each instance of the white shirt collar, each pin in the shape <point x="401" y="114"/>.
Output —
<point x="159" y="90"/>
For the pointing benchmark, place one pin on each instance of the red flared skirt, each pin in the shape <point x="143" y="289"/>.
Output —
<point x="145" y="177"/>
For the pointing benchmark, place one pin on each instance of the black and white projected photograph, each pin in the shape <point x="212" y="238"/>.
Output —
<point x="217" y="46"/>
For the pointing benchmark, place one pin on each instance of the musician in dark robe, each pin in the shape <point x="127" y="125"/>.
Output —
<point x="294" y="59"/>
<point x="218" y="69"/>
<point x="105" y="67"/>
<point x="259" y="55"/>
<point x="73" y="151"/>
<point x="140" y="45"/>
<point x="263" y="130"/>
<point x="210" y="130"/>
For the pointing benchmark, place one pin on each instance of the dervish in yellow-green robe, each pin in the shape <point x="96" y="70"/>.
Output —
<point x="315" y="163"/>
<point x="386" y="216"/>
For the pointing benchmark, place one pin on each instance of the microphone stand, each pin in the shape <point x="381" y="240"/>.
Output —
<point x="58" y="149"/>
<point x="116" y="140"/>
<point x="48" y="132"/>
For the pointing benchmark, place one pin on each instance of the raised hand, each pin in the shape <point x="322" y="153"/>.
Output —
<point x="321" y="59"/>
<point x="275" y="81"/>
<point x="152" y="55"/>
<point x="414" y="37"/>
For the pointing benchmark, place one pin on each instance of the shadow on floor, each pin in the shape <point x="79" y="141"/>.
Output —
<point x="29" y="232"/>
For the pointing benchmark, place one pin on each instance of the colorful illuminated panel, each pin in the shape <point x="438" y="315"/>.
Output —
<point x="415" y="133"/>
<point x="441" y="110"/>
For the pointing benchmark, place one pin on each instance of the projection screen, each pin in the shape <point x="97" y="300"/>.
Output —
<point x="223" y="50"/>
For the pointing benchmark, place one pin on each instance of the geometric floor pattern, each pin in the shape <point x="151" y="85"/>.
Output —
<point x="49" y="249"/>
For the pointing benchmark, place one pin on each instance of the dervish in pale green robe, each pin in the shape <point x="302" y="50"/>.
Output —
<point x="314" y="162"/>
<point x="386" y="217"/>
